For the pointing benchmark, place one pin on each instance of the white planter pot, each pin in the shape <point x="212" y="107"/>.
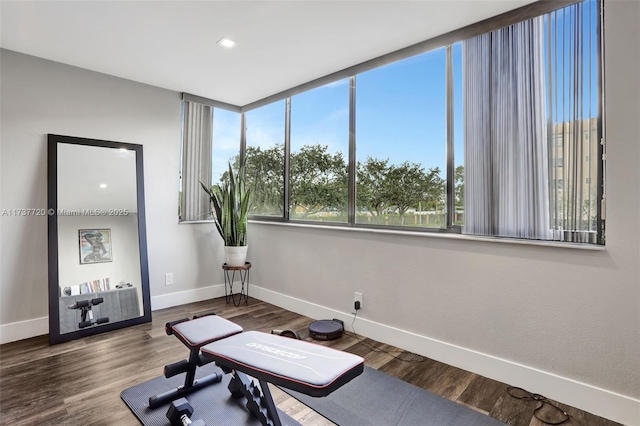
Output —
<point x="235" y="256"/>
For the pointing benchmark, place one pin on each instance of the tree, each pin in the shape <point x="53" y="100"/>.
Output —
<point x="318" y="180"/>
<point x="264" y="169"/>
<point x="458" y="195"/>
<point x="411" y="186"/>
<point x="459" y="186"/>
<point x="372" y="193"/>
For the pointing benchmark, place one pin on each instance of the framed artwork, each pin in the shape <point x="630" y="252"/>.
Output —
<point x="95" y="246"/>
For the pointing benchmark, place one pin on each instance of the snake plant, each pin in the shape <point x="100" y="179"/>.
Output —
<point x="230" y="206"/>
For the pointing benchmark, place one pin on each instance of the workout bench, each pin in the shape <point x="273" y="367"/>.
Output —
<point x="84" y="306"/>
<point x="298" y="365"/>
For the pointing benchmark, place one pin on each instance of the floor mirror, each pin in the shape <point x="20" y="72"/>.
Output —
<point x="97" y="245"/>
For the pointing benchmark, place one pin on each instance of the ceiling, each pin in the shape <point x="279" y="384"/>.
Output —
<point x="280" y="44"/>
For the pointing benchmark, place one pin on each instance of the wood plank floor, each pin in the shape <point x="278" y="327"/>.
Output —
<point x="79" y="382"/>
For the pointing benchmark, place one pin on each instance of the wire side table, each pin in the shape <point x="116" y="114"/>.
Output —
<point x="229" y="279"/>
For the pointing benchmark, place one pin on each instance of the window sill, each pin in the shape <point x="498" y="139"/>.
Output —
<point x="450" y="236"/>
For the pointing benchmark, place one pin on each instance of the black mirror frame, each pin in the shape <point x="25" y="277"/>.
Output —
<point x="52" y="218"/>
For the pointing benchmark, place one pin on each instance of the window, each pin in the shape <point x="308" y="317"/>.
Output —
<point x="320" y="153"/>
<point x="211" y="139"/>
<point x="572" y="74"/>
<point x="401" y="143"/>
<point x="265" y="132"/>
<point x="557" y="140"/>
<point x="225" y="144"/>
<point x="525" y="127"/>
<point x="493" y="135"/>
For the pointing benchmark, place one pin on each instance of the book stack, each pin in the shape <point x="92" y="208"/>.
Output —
<point x="93" y="286"/>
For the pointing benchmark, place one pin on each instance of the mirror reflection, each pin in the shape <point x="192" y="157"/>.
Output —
<point x="98" y="252"/>
<point x="101" y="281"/>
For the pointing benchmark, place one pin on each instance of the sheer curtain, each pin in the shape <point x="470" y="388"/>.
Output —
<point x="196" y="160"/>
<point x="506" y="161"/>
<point x="572" y="43"/>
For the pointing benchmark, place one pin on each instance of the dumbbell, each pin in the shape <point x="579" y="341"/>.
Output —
<point x="179" y="414"/>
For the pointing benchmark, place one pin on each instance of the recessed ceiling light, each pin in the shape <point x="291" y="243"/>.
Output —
<point x="226" y="42"/>
<point x="103" y="185"/>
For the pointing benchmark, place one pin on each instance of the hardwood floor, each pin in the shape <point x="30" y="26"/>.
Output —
<point x="79" y="382"/>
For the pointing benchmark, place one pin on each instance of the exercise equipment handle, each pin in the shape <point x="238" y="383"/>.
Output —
<point x="168" y="328"/>
<point x="206" y="314"/>
<point x="171" y="370"/>
<point x="79" y="304"/>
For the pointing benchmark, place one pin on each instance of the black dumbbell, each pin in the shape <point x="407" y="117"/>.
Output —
<point x="179" y="414"/>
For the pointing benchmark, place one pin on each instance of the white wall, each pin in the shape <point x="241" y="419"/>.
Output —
<point x="562" y="322"/>
<point x="40" y="97"/>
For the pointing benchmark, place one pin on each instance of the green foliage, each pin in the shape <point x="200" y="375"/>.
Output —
<point x="410" y="185"/>
<point x="383" y="187"/>
<point x="264" y="171"/>
<point x="319" y="180"/>
<point x="459" y="186"/>
<point x="373" y="188"/>
<point x="230" y="202"/>
<point x="319" y="185"/>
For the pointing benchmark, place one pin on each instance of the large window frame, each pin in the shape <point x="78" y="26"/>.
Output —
<point x="447" y="41"/>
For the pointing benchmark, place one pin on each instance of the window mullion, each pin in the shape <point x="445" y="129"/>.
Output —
<point x="351" y="209"/>
<point x="243" y="140"/>
<point x="450" y="141"/>
<point x="287" y="159"/>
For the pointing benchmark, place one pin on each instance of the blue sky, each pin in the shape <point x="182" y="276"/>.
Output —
<point x="226" y="140"/>
<point x="400" y="114"/>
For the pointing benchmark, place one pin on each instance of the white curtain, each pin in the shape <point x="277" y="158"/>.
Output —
<point x="506" y="162"/>
<point x="196" y="160"/>
<point x="573" y="122"/>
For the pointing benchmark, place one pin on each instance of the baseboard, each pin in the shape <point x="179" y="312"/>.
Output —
<point x="23" y="329"/>
<point x="601" y="402"/>
<point x="187" y="296"/>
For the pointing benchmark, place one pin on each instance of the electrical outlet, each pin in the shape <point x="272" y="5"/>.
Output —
<point x="357" y="298"/>
<point x="168" y="278"/>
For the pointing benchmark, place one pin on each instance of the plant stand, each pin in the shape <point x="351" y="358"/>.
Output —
<point x="229" y="279"/>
